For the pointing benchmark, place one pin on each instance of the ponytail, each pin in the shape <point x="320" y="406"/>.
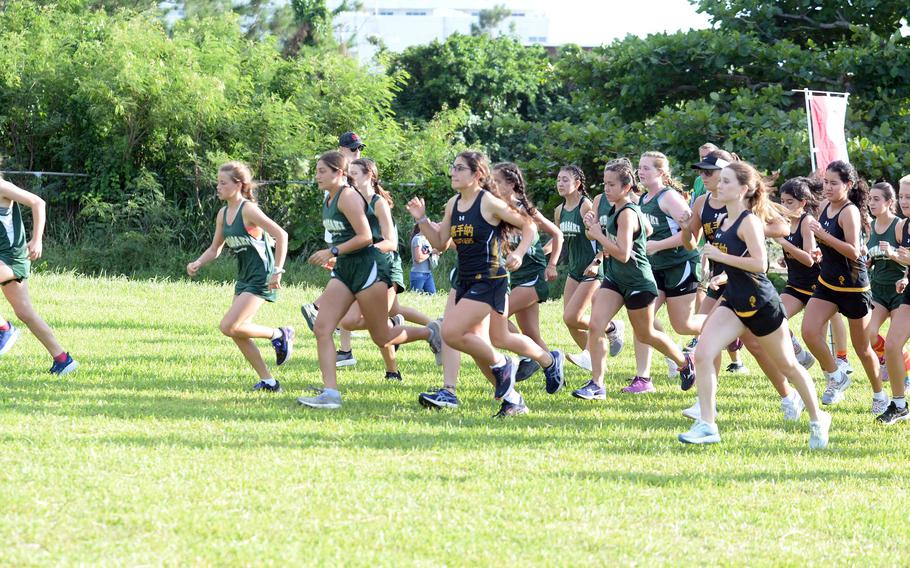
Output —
<point x="369" y="166"/>
<point x="240" y="173"/>
<point x="804" y="189"/>
<point x="579" y="176"/>
<point x="859" y="193"/>
<point x="757" y="193"/>
<point x="662" y="163"/>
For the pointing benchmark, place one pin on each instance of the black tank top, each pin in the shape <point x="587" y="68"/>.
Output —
<point x="479" y="244"/>
<point x="838" y="272"/>
<point x="711" y="218"/>
<point x="799" y="276"/>
<point x="904" y="239"/>
<point x="746" y="291"/>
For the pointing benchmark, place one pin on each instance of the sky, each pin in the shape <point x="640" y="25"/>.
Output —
<point x="593" y="22"/>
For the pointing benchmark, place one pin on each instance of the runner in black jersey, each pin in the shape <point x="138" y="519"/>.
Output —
<point x="473" y="220"/>
<point x="360" y="274"/>
<point x="899" y="330"/>
<point x="843" y="282"/>
<point x="749" y="302"/>
<point x="708" y="213"/>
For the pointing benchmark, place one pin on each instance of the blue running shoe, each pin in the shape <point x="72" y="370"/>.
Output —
<point x="508" y="409"/>
<point x="65" y="367"/>
<point x="526" y="368"/>
<point x="442" y="398"/>
<point x="590" y="392"/>
<point x="8" y="338"/>
<point x="555" y="373"/>
<point x="505" y="378"/>
<point x="264" y="386"/>
<point x="284" y="345"/>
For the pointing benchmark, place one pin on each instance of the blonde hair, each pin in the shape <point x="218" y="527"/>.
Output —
<point x="757" y="193"/>
<point x="662" y="163"/>
<point x="240" y="173"/>
<point x="905" y="180"/>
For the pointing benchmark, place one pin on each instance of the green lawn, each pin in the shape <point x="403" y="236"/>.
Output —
<point x="154" y="452"/>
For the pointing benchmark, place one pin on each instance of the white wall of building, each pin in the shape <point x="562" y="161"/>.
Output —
<point x="403" y="23"/>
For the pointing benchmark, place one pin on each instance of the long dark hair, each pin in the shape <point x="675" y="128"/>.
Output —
<point x="369" y="166"/>
<point x="804" y="189"/>
<point x="858" y="194"/>
<point x="579" y="175"/>
<point x="513" y="175"/>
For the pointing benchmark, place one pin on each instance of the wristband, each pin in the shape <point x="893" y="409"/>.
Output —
<point x="277" y="271"/>
<point x="423" y="219"/>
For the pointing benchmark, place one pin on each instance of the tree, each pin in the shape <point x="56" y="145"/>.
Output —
<point x="823" y="22"/>
<point x="489" y="19"/>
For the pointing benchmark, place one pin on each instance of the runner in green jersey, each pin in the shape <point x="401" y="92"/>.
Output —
<point x="528" y="284"/>
<point x="361" y="274"/>
<point x="16" y="255"/>
<point x="618" y="226"/>
<point x="585" y="265"/>
<point x="364" y="174"/>
<point x="242" y="226"/>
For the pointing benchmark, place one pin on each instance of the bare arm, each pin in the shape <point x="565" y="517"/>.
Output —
<point x="438" y="234"/>
<point x="671" y="203"/>
<point x="499" y="210"/>
<point x="691" y="231"/>
<point x="850" y="222"/>
<point x="389" y="242"/>
<point x="626" y="225"/>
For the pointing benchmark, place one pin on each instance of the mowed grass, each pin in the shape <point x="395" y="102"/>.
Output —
<point x="156" y="453"/>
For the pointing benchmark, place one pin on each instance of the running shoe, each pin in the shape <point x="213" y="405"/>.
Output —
<point x="844" y="365"/>
<point x="8" y="338"/>
<point x="694" y="411"/>
<point x="344" y="359"/>
<point x="393" y="376"/>
<point x="264" y="386"/>
<point x="687" y="374"/>
<point x="504" y="375"/>
<point x="879" y="406"/>
<point x="590" y="392"/>
<point x="736" y="345"/>
<point x="690" y="348"/>
<point x="805" y="359"/>
<point x="441" y="398"/>
<point x="284" y="345"/>
<point x="701" y="433"/>
<point x="507" y="409"/>
<point x="617" y="337"/>
<point x="555" y="373"/>
<point x="818" y="431"/>
<point x="836" y="387"/>
<point x="526" y="368"/>
<point x="639" y="385"/>
<point x="309" y="312"/>
<point x="65" y="367"/>
<point x="435" y="340"/>
<point x="582" y="360"/>
<point x="672" y="367"/>
<point x="323" y="399"/>
<point x="893" y="414"/>
<point x="737" y="368"/>
<point x="792" y="406"/>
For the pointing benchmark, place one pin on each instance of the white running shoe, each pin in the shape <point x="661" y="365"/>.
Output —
<point x="836" y="387"/>
<point x="701" y="433"/>
<point x="879" y="406"/>
<point x="694" y="411"/>
<point x="582" y="360"/>
<point x="805" y="359"/>
<point x="617" y="337"/>
<point x="792" y="405"/>
<point x="844" y="366"/>
<point x="818" y="431"/>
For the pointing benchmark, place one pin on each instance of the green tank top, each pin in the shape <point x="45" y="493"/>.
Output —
<point x="255" y="259"/>
<point x="636" y="273"/>
<point x="337" y="224"/>
<point x="884" y="270"/>
<point x="12" y="233"/>
<point x="532" y="263"/>
<point x="581" y="249"/>
<point x="664" y="227"/>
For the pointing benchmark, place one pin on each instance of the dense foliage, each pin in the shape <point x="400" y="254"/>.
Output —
<point x="148" y="106"/>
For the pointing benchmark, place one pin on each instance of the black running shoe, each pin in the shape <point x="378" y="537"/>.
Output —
<point x="504" y="377"/>
<point x="284" y="345"/>
<point x="893" y="414"/>
<point x="687" y="374"/>
<point x="393" y="376"/>
<point x="264" y="386"/>
<point x="526" y="368"/>
<point x="508" y="409"/>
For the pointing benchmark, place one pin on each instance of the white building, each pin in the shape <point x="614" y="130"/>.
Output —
<point x="403" y="23"/>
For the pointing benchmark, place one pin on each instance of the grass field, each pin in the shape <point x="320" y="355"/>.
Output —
<point x="155" y="453"/>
